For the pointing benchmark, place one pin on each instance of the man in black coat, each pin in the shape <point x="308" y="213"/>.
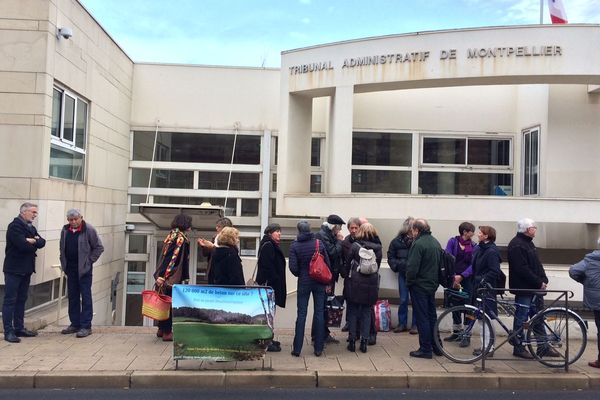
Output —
<point x="331" y="237"/>
<point x="22" y="242"/>
<point x="525" y="271"/>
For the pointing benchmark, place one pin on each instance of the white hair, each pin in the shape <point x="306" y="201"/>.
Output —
<point x="27" y="206"/>
<point x="73" y="212"/>
<point x="524" y="223"/>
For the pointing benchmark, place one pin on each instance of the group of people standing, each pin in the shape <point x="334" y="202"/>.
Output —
<point x="79" y="248"/>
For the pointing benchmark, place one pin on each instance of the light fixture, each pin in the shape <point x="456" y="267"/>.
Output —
<point x="64" y="32"/>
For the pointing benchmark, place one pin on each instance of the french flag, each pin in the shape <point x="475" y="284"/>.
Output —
<point x="557" y="12"/>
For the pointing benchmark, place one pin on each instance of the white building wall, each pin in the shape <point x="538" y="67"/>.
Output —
<point x="90" y="63"/>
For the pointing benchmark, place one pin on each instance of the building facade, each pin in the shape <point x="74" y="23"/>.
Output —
<point x="483" y="125"/>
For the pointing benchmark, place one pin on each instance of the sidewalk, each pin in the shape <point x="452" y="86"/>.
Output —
<point x="133" y="357"/>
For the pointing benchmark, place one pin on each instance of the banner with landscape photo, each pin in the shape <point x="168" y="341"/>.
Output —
<point x="222" y="323"/>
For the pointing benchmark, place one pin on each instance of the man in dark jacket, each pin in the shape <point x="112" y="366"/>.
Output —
<point x="525" y="271"/>
<point x="331" y="237"/>
<point x="422" y="281"/>
<point x="80" y="247"/>
<point x="301" y="252"/>
<point x="22" y="242"/>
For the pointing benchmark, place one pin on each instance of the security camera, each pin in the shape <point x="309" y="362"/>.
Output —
<point x="65" y="32"/>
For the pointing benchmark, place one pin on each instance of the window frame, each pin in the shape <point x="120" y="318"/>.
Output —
<point x="60" y="141"/>
<point x="466" y="167"/>
<point x="525" y="168"/>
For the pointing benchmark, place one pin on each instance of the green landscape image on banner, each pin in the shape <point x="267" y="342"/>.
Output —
<point x="221" y="323"/>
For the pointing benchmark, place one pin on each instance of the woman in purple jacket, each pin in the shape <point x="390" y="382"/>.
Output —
<point x="461" y="247"/>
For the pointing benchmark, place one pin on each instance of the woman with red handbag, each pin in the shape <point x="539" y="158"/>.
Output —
<point x="173" y="267"/>
<point x="302" y="251"/>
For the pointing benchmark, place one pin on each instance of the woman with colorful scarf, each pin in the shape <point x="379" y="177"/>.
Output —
<point x="173" y="267"/>
<point x="461" y="247"/>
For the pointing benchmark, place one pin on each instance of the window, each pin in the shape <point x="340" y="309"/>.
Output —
<point x="196" y="148"/>
<point x="466" y="166"/>
<point x="249" y="208"/>
<point x="40" y="294"/>
<point x="315" y="183"/>
<point x="68" y="135"/>
<point x="531" y="164"/>
<point x="162" y="178"/>
<point x="218" y="181"/>
<point x="315" y="152"/>
<point x="381" y="162"/>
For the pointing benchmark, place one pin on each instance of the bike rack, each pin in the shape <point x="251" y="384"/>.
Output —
<point x="564" y="294"/>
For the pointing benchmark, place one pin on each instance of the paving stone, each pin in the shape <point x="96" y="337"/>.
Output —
<point x="148" y="363"/>
<point x="12" y="363"/>
<point x="113" y="363"/>
<point x="77" y="363"/>
<point x="41" y="363"/>
<point x="322" y="363"/>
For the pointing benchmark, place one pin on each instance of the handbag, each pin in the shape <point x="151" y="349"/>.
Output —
<point x="318" y="269"/>
<point x="156" y="305"/>
<point x="252" y="280"/>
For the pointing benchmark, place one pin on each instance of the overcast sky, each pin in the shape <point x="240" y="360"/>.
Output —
<point x="254" y="32"/>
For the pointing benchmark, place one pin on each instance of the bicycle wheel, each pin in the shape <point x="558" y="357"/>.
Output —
<point x="554" y="321"/>
<point x="467" y="348"/>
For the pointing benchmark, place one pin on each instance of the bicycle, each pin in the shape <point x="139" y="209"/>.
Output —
<point x="561" y="325"/>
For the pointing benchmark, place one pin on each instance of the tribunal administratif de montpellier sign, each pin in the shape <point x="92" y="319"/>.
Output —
<point x="422" y="56"/>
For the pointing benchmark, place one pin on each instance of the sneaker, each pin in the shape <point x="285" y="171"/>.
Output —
<point x="272" y="347"/>
<point x="465" y="341"/>
<point x="400" y="329"/>
<point x="84" y="332"/>
<point x="548" y="352"/>
<point x="69" y="329"/>
<point x="331" y="340"/>
<point x="490" y="354"/>
<point x="522" y="353"/>
<point x="455" y="337"/>
<point x="594" y="364"/>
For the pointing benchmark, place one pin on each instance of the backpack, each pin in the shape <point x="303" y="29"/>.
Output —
<point x="446" y="269"/>
<point x="367" y="261"/>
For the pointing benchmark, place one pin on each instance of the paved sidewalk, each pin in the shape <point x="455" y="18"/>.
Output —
<point x="134" y="357"/>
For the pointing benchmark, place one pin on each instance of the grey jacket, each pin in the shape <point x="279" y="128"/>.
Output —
<point x="587" y="272"/>
<point x="89" y="248"/>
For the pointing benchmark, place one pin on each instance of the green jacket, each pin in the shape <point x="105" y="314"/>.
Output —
<point x="423" y="263"/>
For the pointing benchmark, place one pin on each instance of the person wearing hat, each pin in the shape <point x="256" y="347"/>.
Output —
<point x="271" y="269"/>
<point x="331" y="236"/>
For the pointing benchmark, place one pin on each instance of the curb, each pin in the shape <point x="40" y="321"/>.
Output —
<point x="295" y="379"/>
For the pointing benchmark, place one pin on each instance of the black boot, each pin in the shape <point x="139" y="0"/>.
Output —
<point x="363" y="345"/>
<point x="351" y="345"/>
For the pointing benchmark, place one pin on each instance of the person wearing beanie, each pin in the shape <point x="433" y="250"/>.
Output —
<point x="271" y="269"/>
<point x="301" y="252"/>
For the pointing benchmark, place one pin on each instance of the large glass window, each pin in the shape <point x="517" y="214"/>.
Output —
<point x="381" y="162"/>
<point x="465" y="183"/>
<point x="68" y="135"/>
<point x="40" y="294"/>
<point x="162" y="178"/>
<point x="381" y="148"/>
<point x="218" y="181"/>
<point x="315" y="152"/>
<point x="375" y="181"/>
<point x="531" y="165"/>
<point x="196" y="148"/>
<point x="466" y="166"/>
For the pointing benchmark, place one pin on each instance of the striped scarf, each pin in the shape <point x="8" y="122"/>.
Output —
<point x="179" y="238"/>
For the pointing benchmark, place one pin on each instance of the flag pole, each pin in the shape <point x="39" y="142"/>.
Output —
<point x="541" y="12"/>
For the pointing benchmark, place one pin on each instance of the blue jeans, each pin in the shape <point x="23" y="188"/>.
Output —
<point x="424" y="307"/>
<point x="403" y="306"/>
<point x="79" y="291"/>
<point x="318" y="293"/>
<point x="522" y="306"/>
<point x="15" y="296"/>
